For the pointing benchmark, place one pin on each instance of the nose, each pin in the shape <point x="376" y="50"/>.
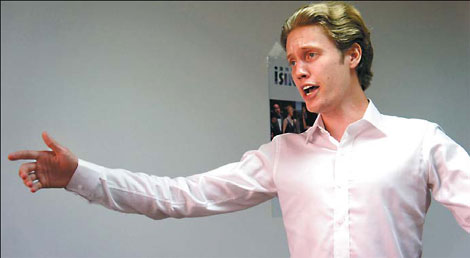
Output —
<point x="299" y="71"/>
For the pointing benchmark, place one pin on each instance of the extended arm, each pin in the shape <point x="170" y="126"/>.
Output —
<point x="232" y="187"/>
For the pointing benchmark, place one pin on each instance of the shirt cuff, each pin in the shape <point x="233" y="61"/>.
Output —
<point x="85" y="179"/>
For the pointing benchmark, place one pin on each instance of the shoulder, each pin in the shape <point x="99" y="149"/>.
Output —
<point x="290" y="139"/>
<point x="413" y="127"/>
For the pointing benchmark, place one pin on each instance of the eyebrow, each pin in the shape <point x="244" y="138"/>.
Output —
<point x="305" y="47"/>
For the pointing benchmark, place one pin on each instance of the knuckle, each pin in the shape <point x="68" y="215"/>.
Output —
<point x="25" y="167"/>
<point x="40" y="167"/>
<point x="22" y="154"/>
<point x="21" y="172"/>
<point x="40" y="155"/>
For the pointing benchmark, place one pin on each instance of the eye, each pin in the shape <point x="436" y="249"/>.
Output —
<point x="310" y="55"/>
<point x="292" y="63"/>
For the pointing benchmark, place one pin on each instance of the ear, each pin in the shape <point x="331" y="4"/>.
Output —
<point x="354" y="55"/>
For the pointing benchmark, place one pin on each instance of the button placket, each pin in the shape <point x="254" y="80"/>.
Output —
<point x="341" y="208"/>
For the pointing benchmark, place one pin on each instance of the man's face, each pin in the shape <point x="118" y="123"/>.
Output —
<point x="320" y="72"/>
<point x="277" y="109"/>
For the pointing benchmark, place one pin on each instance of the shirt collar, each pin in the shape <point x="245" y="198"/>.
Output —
<point x="371" y="116"/>
<point x="374" y="117"/>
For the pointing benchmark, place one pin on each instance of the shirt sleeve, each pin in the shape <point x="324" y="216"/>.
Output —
<point x="229" y="188"/>
<point x="449" y="175"/>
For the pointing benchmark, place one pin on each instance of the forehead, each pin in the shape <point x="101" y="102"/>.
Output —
<point x="306" y="37"/>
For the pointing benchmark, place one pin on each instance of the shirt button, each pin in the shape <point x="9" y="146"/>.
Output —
<point x="340" y="221"/>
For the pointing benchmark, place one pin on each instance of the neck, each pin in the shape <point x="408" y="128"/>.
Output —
<point x="349" y="111"/>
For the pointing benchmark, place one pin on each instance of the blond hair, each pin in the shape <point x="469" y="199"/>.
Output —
<point x="343" y="24"/>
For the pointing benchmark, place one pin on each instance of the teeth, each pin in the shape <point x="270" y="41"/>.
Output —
<point x="308" y="89"/>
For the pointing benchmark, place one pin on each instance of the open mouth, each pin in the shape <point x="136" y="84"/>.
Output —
<point x="309" y="89"/>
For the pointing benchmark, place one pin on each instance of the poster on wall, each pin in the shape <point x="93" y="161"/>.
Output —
<point x="288" y="113"/>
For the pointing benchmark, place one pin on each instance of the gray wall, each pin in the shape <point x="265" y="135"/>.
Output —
<point x="180" y="88"/>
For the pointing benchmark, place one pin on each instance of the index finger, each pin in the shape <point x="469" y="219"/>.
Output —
<point x="23" y="154"/>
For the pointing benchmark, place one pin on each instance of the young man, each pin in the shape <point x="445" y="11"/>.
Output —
<point x="355" y="184"/>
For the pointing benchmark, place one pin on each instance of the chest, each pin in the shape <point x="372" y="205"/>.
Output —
<point x="371" y="167"/>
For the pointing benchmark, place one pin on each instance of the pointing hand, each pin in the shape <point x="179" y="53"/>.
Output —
<point x="52" y="169"/>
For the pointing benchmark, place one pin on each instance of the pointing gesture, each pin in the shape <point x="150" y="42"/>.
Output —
<point x="52" y="169"/>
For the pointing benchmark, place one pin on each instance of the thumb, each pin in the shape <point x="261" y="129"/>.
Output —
<point x="51" y="143"/>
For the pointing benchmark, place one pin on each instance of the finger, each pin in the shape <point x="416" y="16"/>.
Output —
<point x="26" y="168"/>
<point x="23" y="154"/>
<point x="30" y="179"/>
<point x="51" y="143"/>
<point x="36" y="186"/>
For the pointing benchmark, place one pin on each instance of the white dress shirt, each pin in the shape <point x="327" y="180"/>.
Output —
<point x="365" y="196"/>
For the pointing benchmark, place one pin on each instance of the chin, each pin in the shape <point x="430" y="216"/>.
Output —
<point x="312" y="108"/>
<point x="313" y="105"/>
